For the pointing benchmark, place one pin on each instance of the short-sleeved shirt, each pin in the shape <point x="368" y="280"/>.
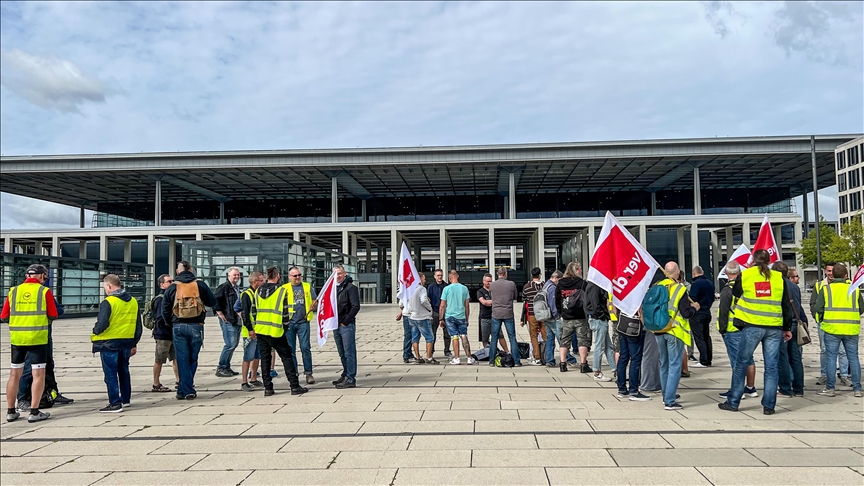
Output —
<point x="455" y="295"/>
<point x="485" y="311"/>
<point x="299" y="316"/>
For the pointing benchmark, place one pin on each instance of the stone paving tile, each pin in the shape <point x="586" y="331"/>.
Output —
<point x="33" y="464"/>
<point x="205" y="446"/>
<point x="441" y="397"/>
<point x="557" y="415"/>
<point x="548" y="458"/>
<point x="472" y="477"/>
<point x="570" y="425"/>
<point x="178" y="478"/>
<point x="191" y="431"/>
<point x="442" y="460"/>
<point x="633" y="425"/>
<point x="230" y="410"/>
<point x="331" y="428"/>
<point x="395" y="406"/>
<point x="375" y="443"/>
<point x="683" y="457"/>
<point x="660" y="476"/>
<point x="781" y="476"/>
<point x="281" y="417"/>
<point x="81" y="432"/>
<point x="721" y="440"/>
<point x="11" y="448"/>
<point x="808" y="457"/>
<point x="478" y="441"/>
<point x="470" y="415"/>
<point x="97" y="447"/>
<point x="52" y="479"/>
<point x="395" y="416"/>
<point x="264" y="460"/>
<point x="153" y="420"/>
<point x="464" y="403"/>
<point x="130" y="463"/>
<point x="859" y="450"/>
<point x="710" y="425"/>
<point x="831" y="440"/>
<point x="439" y="426"/>
<point x="604" y="441"/>
<point x="358" y="477"/>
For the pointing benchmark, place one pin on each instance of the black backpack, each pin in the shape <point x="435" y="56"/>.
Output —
<point x="576" y="300"/>
<point x="504" y="360"/>
<point x="524" y="350"/>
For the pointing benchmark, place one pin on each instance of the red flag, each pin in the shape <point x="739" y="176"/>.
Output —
<point x="742" y="256"/>
<point x="765" y="241"/>
<point x="858" y="280"/>
<point x="327" y="314"/>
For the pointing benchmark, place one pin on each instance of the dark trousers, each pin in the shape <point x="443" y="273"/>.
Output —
<point x="791" y="367"/>
<point x="268" y="344"/>
<point x="27" y="378"/>
<point x="700" y="325"/>
<point x="435" y="325"/>
<point x="630" y="353"/>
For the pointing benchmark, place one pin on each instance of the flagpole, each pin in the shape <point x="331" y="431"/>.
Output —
<point x="816" y="208"/>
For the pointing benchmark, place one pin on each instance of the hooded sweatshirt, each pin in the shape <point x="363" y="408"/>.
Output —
<point x="566" y="286"/>
<point x="102" y="321"/>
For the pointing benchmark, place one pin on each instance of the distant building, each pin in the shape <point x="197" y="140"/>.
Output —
<point x="850" y="179"/>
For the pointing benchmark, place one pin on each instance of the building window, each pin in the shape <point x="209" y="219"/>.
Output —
<point x="855" y="201"/>
<point x="844" y="205"/>
<point x="843" y="221"/>
<point x="841" y="159"/>
<point x="854" y="179"/>
<point x="852" y="156"/>
<point x="841" y="182"/>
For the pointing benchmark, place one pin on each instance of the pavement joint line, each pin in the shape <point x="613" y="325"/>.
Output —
<point x="703" y="475"/>
<point x="546" y="472"/>
<point x="747" y="450"/>
<point x="247" y="477"/>
<point x="206" y="455"/>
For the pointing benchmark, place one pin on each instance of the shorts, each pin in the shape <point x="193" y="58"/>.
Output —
<point x="616" y="344"/>
<point x="422" y="327"/>
<point x="38" y="355"/>
<point x="250" y="349"/>
<point x="456" y="327"/>
<point x="164" y="350"/>
<point x="575" y="326"/>
<point x="486" y="330"/>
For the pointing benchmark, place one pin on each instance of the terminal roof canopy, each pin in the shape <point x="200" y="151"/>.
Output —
<point x="95" y="181"/>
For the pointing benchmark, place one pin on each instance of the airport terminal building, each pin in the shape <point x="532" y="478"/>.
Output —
<point x="463" y="207"/>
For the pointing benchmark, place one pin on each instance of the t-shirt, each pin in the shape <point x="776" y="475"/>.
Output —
<point x="485" y="311"/>
<point x="300" y="303"/>
<point x="455" y="295"/>
<point x="503" y="294"/>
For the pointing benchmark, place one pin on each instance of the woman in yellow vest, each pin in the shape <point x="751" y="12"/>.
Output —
<point x="764" y="315"/>
<point x="839" y="310"/>
<point x="115" y="337"/>
<point x="731" y="334"/>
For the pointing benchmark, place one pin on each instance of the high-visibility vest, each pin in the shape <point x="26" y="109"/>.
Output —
<point x="842" y="316"/>
<point x="250" y="292"/>
<point x="761" y="302"/>
<point x="307" y="295"/>
<point x="121" y="324"/>
<point x="729" y="326"/>
<point x="28" y="315"/>
<point x="268" y="313"/>
<point x="681" y="327"/>
<point x="613" y="315"/>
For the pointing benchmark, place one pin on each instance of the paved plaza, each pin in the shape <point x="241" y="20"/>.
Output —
<point x="411" y="424"/>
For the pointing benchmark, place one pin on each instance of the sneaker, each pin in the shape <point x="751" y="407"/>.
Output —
<point x="38" y="418"/>
<point x="563" y="367"/>
<point x="698" y="365"/>
<point x="827" y="393"/>
<point x="859" y="394"/>
<point x="347" y="384"/>
<point x="845" y="381"/>
<point x="448" y="353"/>
<point x="246" y="387"/>
<point x="274" y="373"/>
<point x="727" y="406"/>
<point x="340" y="380"/>
<point x="692" y="358"/>
<point x="61" y="400"/>
<point x="191" y="396"/>
<point x="535" y="362"/>
<point x="417" y="361"/>
<point x="750" y="392"/>
<point x="638" y="397"/>
<point x="822" y="380"/>
<point x="767" y="411"/>
<point x="519" y="364"/>
<point x="433" y="361"/>
<point x="268" y="392"/>
<point x="222" y="373"/>
<point x="299" y="390"/>
<point x="584" y="368"/>
<point x="456" y="361"/>
<point x="551" y="365"/>
<point x="112" y="408"/>
<point x="256" y="383"/>
<point x="127" y="404"/>
<point x="11" y="417"/>
<point x="673" y="406"/>
<point x="470" y="361"/>
<point x="601" y="377"/>
<point x="725" y="394"/>
<point x="783" y="395"/>
<point x="23" y="407"/>
<point x="622" y="394"/>
<point x="310" y="380"/>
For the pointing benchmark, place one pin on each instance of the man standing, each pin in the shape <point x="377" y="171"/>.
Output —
<point x="485" y="299"/>
<point x="553" y="327"/>
<point x="824" y="366"/>
<point x="631" y="345"/>
<point x="185" y="300"/>
<point x="732" y="336"/>
<point x="529" y="291"/>
<point x="115" y="337"/>
<point x="302" y="300"/>
<point x="29" y="309"/>
<point x="454" y="307"/>
<point x="420" y="322"/>
<point x="407" y="333"/>
<point x="570" y="299"/>
<point x="227" y="295"/>
<point x="434" y="290"/>
<point x="348" y="305"/>
<point x="790" y="367"/>
<point x="598" y="321"/>
<point x="245" y="308"/>
<point x="503" y="294"/>
<point x="164" y="337"/>
<point x="672" y="342"/>
<point x="702" y="291"/>
<point x="840" y="314"/>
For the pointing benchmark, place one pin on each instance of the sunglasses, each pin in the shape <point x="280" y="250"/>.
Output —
<point x="296" y="275"/>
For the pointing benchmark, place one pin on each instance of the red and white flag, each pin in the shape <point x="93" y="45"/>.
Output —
<point x="621" y="266"/>
<point x="409" y="278"/>
<point x="858" y="280"/>
<point x="327" y="315"/>
<point x="765" y="241"/>
<point x="742" y="256"/>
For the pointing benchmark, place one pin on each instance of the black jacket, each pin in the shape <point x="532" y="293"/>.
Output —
<point x="597" y="302"/>
<point x="225" y="299"/>
<point x="102" y="321"/>
<point x="162" y="331"/>
<point x="566" y="286"/>
<point x="171" y="294"/>
<point x="724" y="306"/>
<point x="347" y="301"/>
<point x="702" y="291"/>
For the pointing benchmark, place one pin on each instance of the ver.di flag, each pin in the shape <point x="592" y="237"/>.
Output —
<point x="741" y="256"/>
<point x="409" y="278"/>
<point x="858" y="280"/>
<point x="765" y="241"/>
<point x="327" y="316"/>
<point x="621" y="266"/>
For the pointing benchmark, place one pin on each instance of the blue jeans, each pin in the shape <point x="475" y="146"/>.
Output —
<point x="188" y="339"/>
<point x="850" y="343"/>
<point x="347" y="347"/>
<point x="823" y="359"/>
<point x="250" y="349"/>
<point x="671" y="350"/>
<point x="630" y="349"/>
<point x="752" y="336"/>
<point x="231" y="335"/>
<point x="406" y="338"/>
<point x="552" y="332"/>
<point x="733" y="344"/>
<point x="300" y="331"/>
<point x="602" y="343"/>
<point x="791" y="368"/>
<point x="115" y="366"/>
<point x="510" y="325"/>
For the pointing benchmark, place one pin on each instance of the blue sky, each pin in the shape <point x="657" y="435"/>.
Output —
<point x="124" y="77"/>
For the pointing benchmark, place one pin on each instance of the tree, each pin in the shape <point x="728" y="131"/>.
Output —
<point x="827" y="237"/>
<point x="852" y="237"/>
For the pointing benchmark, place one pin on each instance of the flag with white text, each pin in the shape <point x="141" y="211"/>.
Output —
<point x="858" y="280"/>
<point x="327" y="316"/>
<point x="765" y="241"/>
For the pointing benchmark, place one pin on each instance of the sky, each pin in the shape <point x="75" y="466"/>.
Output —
<point x="103" y="77"/>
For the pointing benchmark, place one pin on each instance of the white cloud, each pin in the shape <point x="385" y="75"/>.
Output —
<point x="26" y="213"/>
<point x="50" y="82"/>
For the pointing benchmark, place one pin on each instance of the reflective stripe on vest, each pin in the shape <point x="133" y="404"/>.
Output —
<point x="762" y="299"/>
<point x="122" y="322"/>
<point x="250" y="292"/>
<point x="731" y="318"/>
<point x="307" y="295"/>
<point x="268" y="314"/>
<point x="612" y="316"/>
<point x="842" y="316"/>
<point x="28" y="315"/>
<point x="681" y="326"/>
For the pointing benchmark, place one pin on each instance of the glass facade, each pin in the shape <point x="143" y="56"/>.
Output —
<point x="77" y="283"/>
<point x="212" y="259"/>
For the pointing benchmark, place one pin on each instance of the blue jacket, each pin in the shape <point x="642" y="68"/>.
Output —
<point x="434" y="291"/>
<point x="702" y="291"/>
<point x="795" y="296"/>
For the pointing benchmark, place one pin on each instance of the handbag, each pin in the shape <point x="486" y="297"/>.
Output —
<point x="803" y="333"/>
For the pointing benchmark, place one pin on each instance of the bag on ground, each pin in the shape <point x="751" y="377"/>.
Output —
<point x="524" y="350"/>
<point x="504" y="360"/>
<point x="481" y="355"/>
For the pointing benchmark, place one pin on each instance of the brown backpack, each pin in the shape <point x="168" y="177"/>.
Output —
<point x="187" y="302"/>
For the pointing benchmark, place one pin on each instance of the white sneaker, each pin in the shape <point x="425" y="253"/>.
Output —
<point x="698" y="365"/>
<point x="601" y="377"/>
<point x="536" y="362"/>
<point x="456" y="361"/>
<point x="470" y="361"/>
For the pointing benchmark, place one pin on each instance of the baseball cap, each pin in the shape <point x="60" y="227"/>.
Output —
<point x="36" y="269"/>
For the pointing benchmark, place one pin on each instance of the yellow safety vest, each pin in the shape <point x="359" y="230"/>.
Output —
<point x="842" y="316"/>
<point x="613" y="315"/>
<point x="681" y="327"/>
<point x="250" y="292"/>
<point x="121" y="324"/>
<point x="307" y="295"/>
<point x="268" y="313"/>
<point x="729" y="326"/>
<point x="28" y="315"/>
<point x="762" y="300"/>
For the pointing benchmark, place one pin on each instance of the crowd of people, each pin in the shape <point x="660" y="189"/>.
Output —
<point x="757" y="305"/>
